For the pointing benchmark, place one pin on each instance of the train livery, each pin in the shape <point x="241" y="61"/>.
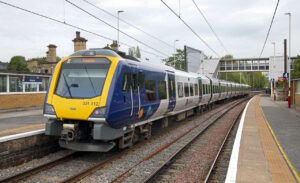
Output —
<point x="98" y="98"/>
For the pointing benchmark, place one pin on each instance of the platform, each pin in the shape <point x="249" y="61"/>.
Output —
<point x="15" y="121"/>
<point x="266" y="144"/>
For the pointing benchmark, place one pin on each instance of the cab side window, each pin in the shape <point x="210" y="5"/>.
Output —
<point x="126" y="82"/>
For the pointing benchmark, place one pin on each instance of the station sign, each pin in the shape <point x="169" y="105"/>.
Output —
<point x="285" y="75"/>
<point x="32" y="79"/>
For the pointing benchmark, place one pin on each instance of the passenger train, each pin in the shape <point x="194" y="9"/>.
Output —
<point x="99" y="98"/>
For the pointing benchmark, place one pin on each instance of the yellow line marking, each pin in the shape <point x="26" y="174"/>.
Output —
<point x="280" y="148"/>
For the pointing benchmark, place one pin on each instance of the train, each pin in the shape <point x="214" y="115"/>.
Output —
<point x="99" y="99"/>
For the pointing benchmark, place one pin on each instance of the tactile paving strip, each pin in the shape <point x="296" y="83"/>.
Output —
<point x="277" y="166"/>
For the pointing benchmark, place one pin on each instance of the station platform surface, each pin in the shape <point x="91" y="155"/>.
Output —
<point x="19" y="121"/>
<point x="267" y="144"/>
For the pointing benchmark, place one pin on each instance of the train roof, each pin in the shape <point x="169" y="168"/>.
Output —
<point x="155" y="66"/>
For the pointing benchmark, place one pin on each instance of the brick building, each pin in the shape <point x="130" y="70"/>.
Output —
<point x="40" y="65"/>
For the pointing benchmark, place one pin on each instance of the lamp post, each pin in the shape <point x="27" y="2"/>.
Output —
<point x="289" y="60"/>
<point x="175" y="51"/>
<point x="272" y="82"/>
<point x="120" y="11"/>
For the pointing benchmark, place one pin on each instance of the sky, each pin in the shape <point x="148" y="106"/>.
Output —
<point x="241" y="25"/>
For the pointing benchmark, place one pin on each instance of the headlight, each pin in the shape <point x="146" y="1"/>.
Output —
<point x="49" y="109"/>
<point x="98" y="113"/>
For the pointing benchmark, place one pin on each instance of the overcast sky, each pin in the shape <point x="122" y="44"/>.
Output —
<point x="241" y="25"/>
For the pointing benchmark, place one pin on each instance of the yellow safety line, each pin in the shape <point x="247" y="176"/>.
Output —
<point x="280" y="148"/>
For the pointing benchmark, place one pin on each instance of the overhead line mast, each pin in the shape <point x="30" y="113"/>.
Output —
<point x="210" y="26"/>
<point x="73" y="26"/>
<point x="73" y="4"/>
<point x="199" y="37"/>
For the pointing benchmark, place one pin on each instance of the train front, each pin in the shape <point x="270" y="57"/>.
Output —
<point x="75" y="104"/>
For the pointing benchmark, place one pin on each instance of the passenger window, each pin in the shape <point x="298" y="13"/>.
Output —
<point x="191" y="89"/>
<point x="196" y="90"/>
<point x="134" y="83"/>
<point x="162" y="90"/>
<point x="180" y="89"/>
<point x="126" y="82"/>
<point x="150" y="90"/>
<point x="141" y="80"/>
<point x="186" y="90"/>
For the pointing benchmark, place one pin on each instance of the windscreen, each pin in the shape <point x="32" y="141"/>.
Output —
<point x="82" y="77"/>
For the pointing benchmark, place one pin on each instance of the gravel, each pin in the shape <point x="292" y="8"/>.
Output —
<point x="111" y="170"/>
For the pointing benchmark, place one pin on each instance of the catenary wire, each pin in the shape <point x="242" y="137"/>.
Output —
<point x="199" y="37"/>
<point x="210" y="26"/>
<point x="130" y="24"/>
<point x="141" y="42"/>
<point x="73" y="26"/>
<point x="264" y="45"/>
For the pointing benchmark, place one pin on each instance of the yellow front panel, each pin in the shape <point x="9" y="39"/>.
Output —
<point x="79" y="109"/>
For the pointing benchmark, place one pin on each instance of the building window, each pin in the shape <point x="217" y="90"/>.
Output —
<point x="235" y="65"/>
<point x="255" y="65"/>
<point x="242" y="65"/>
<point x="186" y="90"/>
<point x="262" y="65"/>
<point x="3" y="84"/>
<point x="150" y="90"/>
<point x="267" y="65"/>
<point x="180" y="89"/>
<point x="162" y="90"/>
<point x="222" y="65"/>
<point x="196" y="90"/>
<point x="15" y="84"/>
<point x="248" y="65"/>
<point x="228" y="65"/>
<point x="191" y="89"/>
<point x="30" y="87"/>
<point x="44" y="85"/>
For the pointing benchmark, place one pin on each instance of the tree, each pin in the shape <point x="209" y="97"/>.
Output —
<point x="137" y="52"/>
<point x="131" y="51"/>
<point x="176" y="59"/>
<point x="134" y="52"/>
<point x="227" y="57"/>
<point x="296" y="68"/>
<point x="17" y="63"/>
<point x="254" y="79"/>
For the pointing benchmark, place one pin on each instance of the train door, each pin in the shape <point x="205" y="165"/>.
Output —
<point x="171" y="90"/>
<point x="200" y="89"/>
<point x="136" y="92"/>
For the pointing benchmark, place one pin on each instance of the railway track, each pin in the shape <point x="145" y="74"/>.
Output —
<point x="85" y="173"/>
<point x="156" y="175"/>
<point x="33" y="171"/>
<point x="93" y="169"/>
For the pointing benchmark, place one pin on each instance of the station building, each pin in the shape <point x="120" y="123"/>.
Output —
<point x="28" y="89"/>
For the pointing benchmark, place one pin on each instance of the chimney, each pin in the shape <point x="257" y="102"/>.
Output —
<point x="114" y="45"/>
<point x="51" y="53"/>
<point x="79" y="42"/>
